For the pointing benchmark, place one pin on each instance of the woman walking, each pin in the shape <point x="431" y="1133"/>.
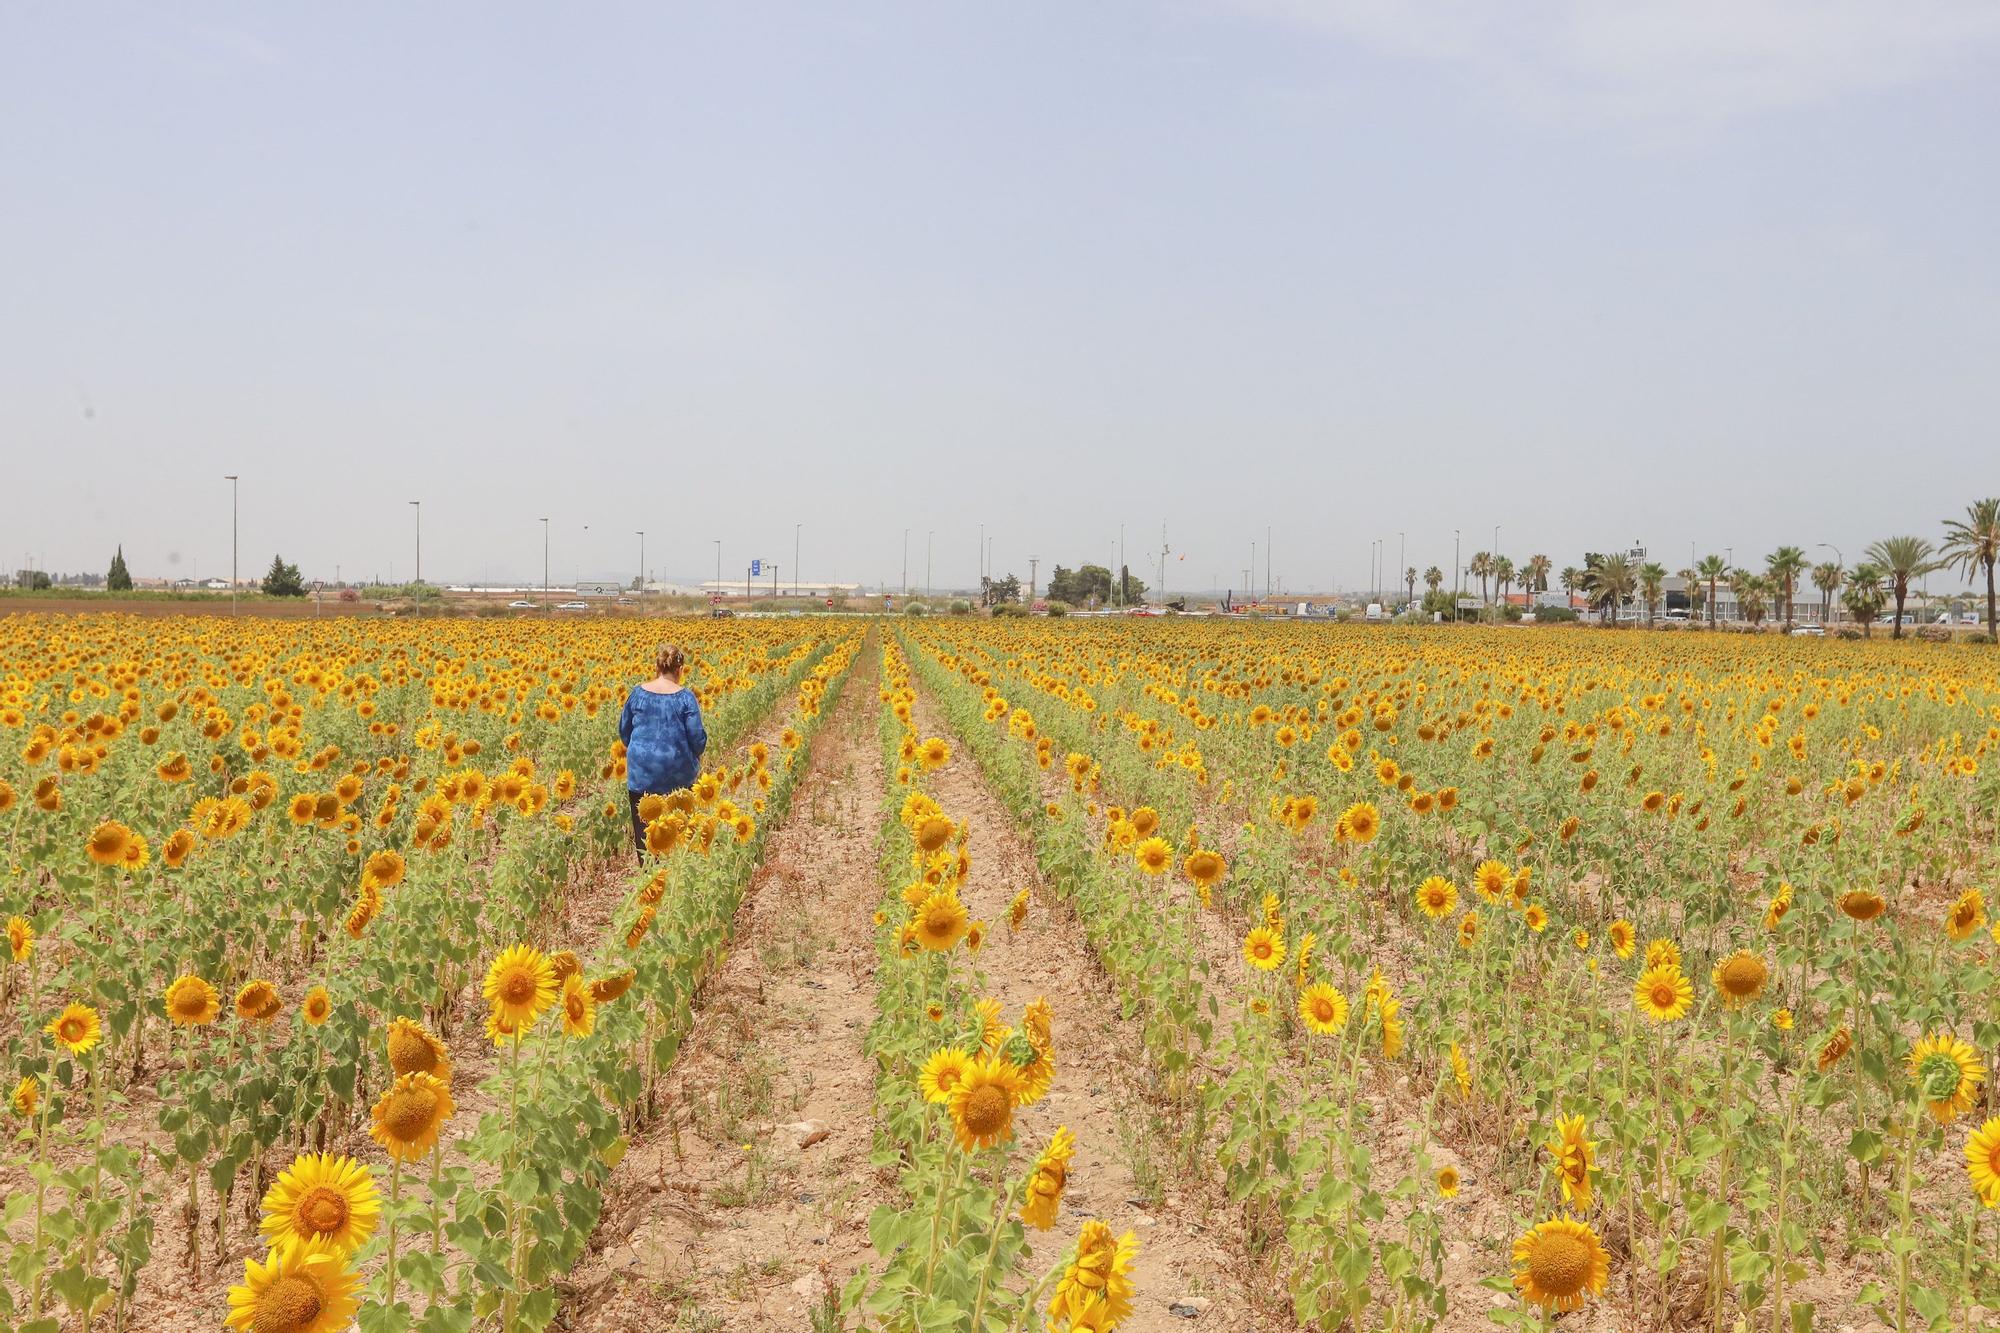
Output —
<point x="663" y="735"/>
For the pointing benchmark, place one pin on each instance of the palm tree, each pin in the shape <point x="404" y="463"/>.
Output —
<point x="1974" y="542"/>
<point x="1751" y="589"/>
<point x="1826" y="577"/>
<point x="1410" y="584"/>
<point x="1713" y="568"/>
<point x="1652" y="578"/>
<point x="1538" y="573"/>
<point x="1503" y="575"/>
<point x="1480" y="566"/>
<point x="1864" y="596"/>
<point x="1784" y="566"/>
<point x="1571" y="579"/>
<point x="1902" y="559"/>
<point x="1609" y="583"/>
<point x="1433" y="578"/>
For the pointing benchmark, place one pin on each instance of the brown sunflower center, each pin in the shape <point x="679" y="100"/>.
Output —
<point x="288" y="1305"/>
<point x="410" y="1112"/>
<point x="1322" y="1009"/>
<point x="1665" y="993"/>
<point x="1743" y="976"/>
<point x="986" y="1109"/>
<point x="1559" y="1264"/>
<point x="71" y="1029"/>
<point x="410" y="1053"/>
<point x="323" y="1210"/>
<point x="573" y="1006"/>
<point x="517" y="987"/>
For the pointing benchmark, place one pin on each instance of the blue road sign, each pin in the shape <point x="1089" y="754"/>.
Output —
<point x="756" y="568"/>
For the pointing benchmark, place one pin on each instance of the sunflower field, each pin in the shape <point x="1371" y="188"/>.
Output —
<point x="1481" y="976"/>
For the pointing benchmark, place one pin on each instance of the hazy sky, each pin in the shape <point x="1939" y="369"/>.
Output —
<point x="1719" y="272"/>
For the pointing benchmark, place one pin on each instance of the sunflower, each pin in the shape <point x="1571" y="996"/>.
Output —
<point x="1264" y="948"/>
<point x="1302" y="958"/>
<point x="934" y="831"/>
<point x="1947" y="1074"/>
<point x="302" y="808"/>
<point x="257" y="1002"/>
<point x="1437" y="897"/>
<point x="1154" y="855"/>
<point x="1461" y="1071"/>
<point x="1536" y="918"/>
<point x="1017" y="911"/>
<point x="1096" y="1289"/>
<point x="76" y="1029"/>
<point x="20" y="939"/>
<point x="982" y="1103"/>
<point x="413" y="1050"/>
<point x="108" y="843"/>
<point x="27" y="1097"/>
<point x="1323" y="1009"/>
<point x="933" y="753"/>
<point x="606" y="989"/>
<point x="410" y="1113"/>
<point x="520" y="985"/>
<point x="941" y="922"/>
<point x="1663" y="993"/>
<point x="1833" y="1049"/>
<point x="1204" y="868"/>
<point x="1663" y="953"/>
<point x="1623" y="938"/>
<point x="1863" y="905"/>
<point x="1468" y="930"/>
<point x="321" y="1197"/>
<point x="191" y="1002"/>
<point x="1492" y="879"/>
<point x="1558" y="1262"/>
<point x="975" y="936"/>
<point x="579" y="1011"/>
<point x="304" y="1288"/>
<point x="1982" y="1162"/>
<point x="384" y="869"/>
<point x="941" y="1073"/>
<point x="1447" y="1182"/>
<point x="1573" y="1153"/>
<point x="317" y="1006"/>
<point x="1741" y="977"/>
<point x="1362" y="821"/>
<point x="1967" y="915"/>
<point x="1045" y="1183"/>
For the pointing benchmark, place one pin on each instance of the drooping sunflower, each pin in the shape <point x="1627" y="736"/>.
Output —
<point x="1017" y="912"/>
<point x="384" y="869"/>
<point x="1982" y="1162"/>
<point x="1623" y="938"/>
<point x="27" y="1098"/>
<point x="1264" y="948"/>
<point x="1044" y="1190"/>
<point x="322" y="1197"/>
<point x="1558" y="1263"/>
<point x="1967" y="915"/>
<point x="1833" y="1048"/>
<point x="1740" y="978"/>
<point x="303" y="1288"/>
<point x="941" y="922"/>
<point x="982" y="1103"/>
<point x="1862" y="904"/>
<point x="108" y="843"/>
<point x="1323" y="1009"/>
<point x="1572" y="1153"/>
<point x="258" y="1002"/>
<point x="1096" y="1289"/>
<point x="941" y="1073"/>
<point x="579" y="1011"/>
<point x="76" y="1029"/>
<point x="606" y="989"/>
<point x="191" y="1002"/>
<point x="1663" y="993"/>
<point x="20" y="939"/>
<point x="413" y="1050"/>
<point x="1947" y="1074"/>
<point x="1437" y="897"/>
<point x="409" y="1115"/>
<point x="520" y="985"/>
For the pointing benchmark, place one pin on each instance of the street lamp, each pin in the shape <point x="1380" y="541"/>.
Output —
<point x="545" y="567"/>
<point x="642" y="562"/>
<point x="231" y="479"/>
<point x="927" y="562"/>
<point x="1832" y="603"/>
<point x="1454" y="573"/>
<point x="417" y="588"/>
<point x="906" y="562"/>
<point x="795" y="558"/>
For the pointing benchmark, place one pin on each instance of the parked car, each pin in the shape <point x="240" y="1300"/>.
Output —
<point x="1968" y="617"/>
<point x="1809" y="632"/>
<point x="522" y="606"/>
<point x="572" y="606"/>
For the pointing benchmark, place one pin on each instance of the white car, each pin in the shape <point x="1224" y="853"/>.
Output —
<point x="1809" y="632"/>
<point x="572" y="606"/>
<point x="521" y="606"/>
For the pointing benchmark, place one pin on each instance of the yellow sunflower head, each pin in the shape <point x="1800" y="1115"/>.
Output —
<point x="300" y="1288"/>
<point x="1558" y="1263"/>
<point x="408" y="1116"/>
<point x="322" y="1197"/>
<point x="520" y="985"/>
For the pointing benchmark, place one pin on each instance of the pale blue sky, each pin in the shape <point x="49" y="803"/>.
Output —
<point x="1694" y="272"/>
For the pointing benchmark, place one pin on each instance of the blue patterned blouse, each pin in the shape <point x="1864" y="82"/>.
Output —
<point x="663" y="739"/>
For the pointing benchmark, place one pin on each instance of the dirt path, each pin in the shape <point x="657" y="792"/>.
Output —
<point x="1189" y="1273"/>
<point x="717" y="1219"/>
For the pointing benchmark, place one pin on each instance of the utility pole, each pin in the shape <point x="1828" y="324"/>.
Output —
<point x="1250" y="587"/>
<point x="418" y="596"/>
<point x="982" y="561"/>
<point x="718" y="566"/>
<point x="1455" y="570"/>
<point x="1267" y="560"/>
<point x="231" y="479"/>
<point x="545" y="568"/>
<point x="929" y="537"/>
<point x="642" y="563"/>
<point x="795" y="557"/>
<point x="1402" y="554"/>
<point x="1033" y="561"/>
<point x="906" y="562"/>
<point x="1160" y="591"/>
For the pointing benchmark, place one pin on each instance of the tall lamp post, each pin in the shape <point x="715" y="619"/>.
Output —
<point x="906" y="562"/>
<point x="642" y="562"/>
<point x="1833" y="603"/>
<point x="231" y="479"/>
<point x="545" y="567"/>
<point x="928" y="538"/>
<point x="795" y="558"/>
<point x="417" y="595"/>
<point x="1455" y="567"/>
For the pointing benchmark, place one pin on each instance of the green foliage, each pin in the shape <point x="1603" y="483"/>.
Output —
<point x="120" y="578"/>
<point x="283" y="580"/>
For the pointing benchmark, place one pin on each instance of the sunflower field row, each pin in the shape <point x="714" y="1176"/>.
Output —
<point x="1658" y="979"/>
<point x="254" y="872"/>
